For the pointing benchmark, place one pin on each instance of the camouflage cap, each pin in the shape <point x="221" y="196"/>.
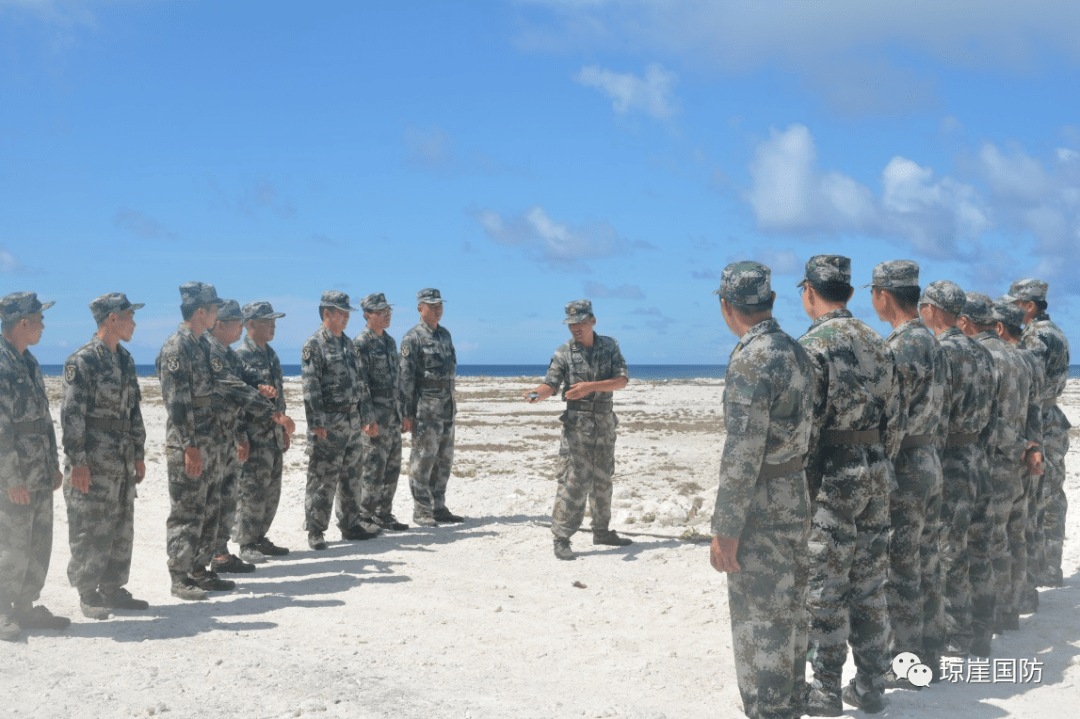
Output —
<point x="978" y="308"/>
<point x="336" y="300"/>
<point x="944" y="295"/>
<point x="374" y="302"/>
<point x="260" y="311"/>
<point x="229" y="311"/>
<point x="745" y="283"/>
<point x="429" y="296"/>
<point x="20" y="304"/>
<point x="578" y="311"/>
<point x="827" y="268"/>
<point x="111" y="302"/>
<point x="894" y="274"/>
<point x="1029" y="290"/>
<point x="197" y="294"/>
<point x="1008" y="313"/>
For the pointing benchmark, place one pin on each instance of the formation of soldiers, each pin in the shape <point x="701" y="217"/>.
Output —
<point x="898" y="495"/>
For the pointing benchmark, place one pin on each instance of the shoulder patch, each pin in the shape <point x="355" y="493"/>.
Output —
<point x="173" y="363"/>
<point x="306" y="354"/>
<point x="69" y="373"/>
<point x="216" y="364"/>
<point x="404" y="350"/>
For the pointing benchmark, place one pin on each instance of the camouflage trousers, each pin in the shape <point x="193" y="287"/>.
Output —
<point x="333" y="469"/>
<point x="767" y="602"/>
<point x="101" y="532"/>
<point x="380" y="467"/>
<point x="430" y="460"/>
<point x="961" y="470"/>
<point x="231" y="467"/>
<point x="1033" y="533"/>
<point x="194" y="504"/>
<point x="584" y="469"/>
<point x="259" y="491"/>
<point x="1056" y="446"/>
<point x="913" y="590"/>
<point x="980" y="565"/>
<point x="1008" y="548"/>
<point x="848" y="548"/>
<point x="26" y="532"/>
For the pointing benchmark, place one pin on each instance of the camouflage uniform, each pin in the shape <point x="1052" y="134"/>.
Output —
<point x="260" y="478"/>
<point x="1051" y="347"/>
<point x="914" y="587"/>
<point x="240" y="409"/>
<point x="850" y="478"/>
<point x="587" y="449"/>
<point x="187" y="391"/>
<point x="763" y="501"/>
<point x="337" y="400"/>
<point x="964" y="465"/>
<point x="28" y="458"/>
<point x="380" y="370"/>
<point x="103" y="431"/>
<point x="428" y="368"/>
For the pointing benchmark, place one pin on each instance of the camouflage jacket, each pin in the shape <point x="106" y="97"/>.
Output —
<point x="573" y="363"/>
<point x="332" y="385"/>
<point x="1034" y="423"/>
<point x="380" y="370"/>
<point x="768" y="410"/>
<point x="428" y="367"/>
<point x="241" y="405"/>
<point x="970" y="389"/>
<point x="187" y="390"/>
<point x="1051" y="347"/>
<point x="921" y="371"/>
<point x="1009" y="420"/>
<point x="266" y="367"/>
<point x="28" y="454"/>
<point x="101" y="388"/>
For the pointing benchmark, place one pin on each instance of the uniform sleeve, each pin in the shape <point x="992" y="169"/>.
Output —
<point x="746" y="419"/>
<point x="367" y="407"/>
<point x="556" y="376"/>
<point x="897" y="402"/>
<point x="54" y="448"/>
<point x="821" y="404"/>
<point x="10" y="476"/>
<point x="990" y="436"/>
<point x="174" y="372"/>
<point x="238" y="395"/>
<point x="74" y="404"/>
<point x="409" y="369"/>
<point x="942" y="437"/>
<point x="618" y="364"/>
<point x="311" y="369"/>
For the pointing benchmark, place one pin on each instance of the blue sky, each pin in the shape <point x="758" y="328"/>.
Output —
<point x="522" y="154"/>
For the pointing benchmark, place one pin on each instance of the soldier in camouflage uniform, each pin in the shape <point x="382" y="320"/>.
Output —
<point x="380" y="370"/>
<point x="338" y="408"/>
<point x="588" y="369"/>
<point x="761" y="520"/>
<point x="850" y="479"/>
<point x="914" y="587"/>
<point x="428" y="367"/>
<point x="244" y="405"/>
<point x="104" y="439"/>
<point x="1051" y="347"/>
<point x="969" y="399"/>
<point x="260" y="479"/>
<point x="193" y="440"/>
<point x="29" y="470"/>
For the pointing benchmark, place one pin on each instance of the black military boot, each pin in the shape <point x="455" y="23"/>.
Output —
<point x="869" y="700"/>
<point x="610" y="538"/>
<point x="121" y="598"/>
<point x="93" y="606"/>
<point x="445" y="515"/>
<point x="980" y="643"/>
<point x="563" y="550"/>
<point x="822" y="700"/>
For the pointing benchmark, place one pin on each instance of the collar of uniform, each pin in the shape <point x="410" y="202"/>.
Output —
<point x="578" y="347"/>
<point x="213" y="341"/>
<point x="985" y="335"/>
<point x="8" y="347"/>
<point x="185" y="332"/>
<point x="250" y="344"/>
<point x="761" y="328"/>
<point x="841" y="313"/>
<point x="428" y="328"/>
<point x="913" y="323"/>
<point x="1044" y="317"/>
<point x="950" y="332"/>
<point x="99" y="346"/>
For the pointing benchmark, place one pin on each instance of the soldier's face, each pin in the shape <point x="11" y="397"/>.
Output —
<point x="431" y="314"/>
<point x="228" y="331"/>
<point x="262" y="331"/>
<point x="379" y="319"/>
<point x="583" y="331"/>
<point x="336" y="320"/>
<point x="125" y="324"/>
<point x="35" y="323"/>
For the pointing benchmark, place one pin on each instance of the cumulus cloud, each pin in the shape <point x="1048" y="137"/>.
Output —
<point x="651" y="93"/>
<point x="142" y="225"/>
<point x="9" y="263"/>
<point x="559" y="245"/>
<point x="623" y="292"/>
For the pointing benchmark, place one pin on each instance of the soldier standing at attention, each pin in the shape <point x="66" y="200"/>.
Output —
<point x="762" y="517"/>
<point x="193" y="438"/>
<point x="380" y="370"/>
<point x="588" y="368"/>
<point x="850" y="479"/>
<point x="260" y="477"/>
<point x="965" y="468"/>
<point x="338" y="409"/>
<point x="1051" y="347"/>
<point x="243" y="403"/>
<point x="29" y="470"/>
<point x="914" y="586"/>
<point x="104" y="439"/>
<point x="428" y="366"/>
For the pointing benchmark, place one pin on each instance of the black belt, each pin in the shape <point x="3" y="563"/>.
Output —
<point x="772" y="471"/>
<point x="382" y="392"/>
<point x="587" y="405"/>
<point x="205" y="401"/>
<point x="850" y="437"/>
<point x="916" y="440"/>
<point x="436" y="384"/>
<point x="116" y="425"/>
<point x="961" y="440"/>
<point x="38" y="426"/>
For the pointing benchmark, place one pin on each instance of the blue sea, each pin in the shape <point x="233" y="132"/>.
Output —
<point x="642" y="371"/>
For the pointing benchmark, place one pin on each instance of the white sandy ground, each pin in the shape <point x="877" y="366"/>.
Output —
<point x="476" y="620"/>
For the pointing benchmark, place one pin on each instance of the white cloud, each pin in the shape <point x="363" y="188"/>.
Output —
<point x="9" y="263"/>
<point x="650" y="93"/>
<point x="624" y="292"/>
